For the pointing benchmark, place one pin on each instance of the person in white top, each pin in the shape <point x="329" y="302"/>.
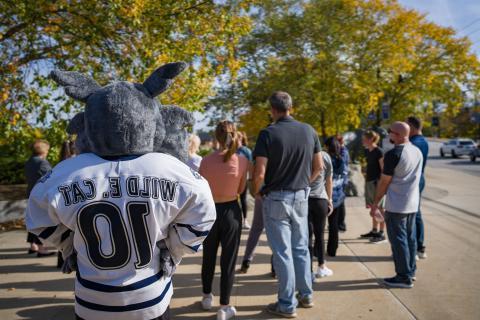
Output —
<point x="194" y="159"/>
<point x="400" y="182"/>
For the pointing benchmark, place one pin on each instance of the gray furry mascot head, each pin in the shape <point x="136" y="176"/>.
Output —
<point x="125" y="118"/>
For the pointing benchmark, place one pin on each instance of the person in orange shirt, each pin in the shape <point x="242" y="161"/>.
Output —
<point x="226" y="173"/>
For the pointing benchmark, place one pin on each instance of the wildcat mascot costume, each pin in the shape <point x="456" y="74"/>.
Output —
<point x="126" y="209"/>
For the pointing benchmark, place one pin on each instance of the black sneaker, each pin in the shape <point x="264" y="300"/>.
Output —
<point x="378" y="238"/>
<point x="45" y="254"/>
<point x="371" y="234"/>
<point x="396" y="282"/>
<point x="245" y="266"/>
<point x="274" y="309"/>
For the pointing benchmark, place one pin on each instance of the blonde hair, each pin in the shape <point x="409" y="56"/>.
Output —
<point x="372" y="135"/>
<point x="40" y="147"/>
<point x="225" y="133"/>
<point x="193" y="144"/>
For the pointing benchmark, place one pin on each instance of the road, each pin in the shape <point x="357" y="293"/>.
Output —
<point x="462" y="164"/>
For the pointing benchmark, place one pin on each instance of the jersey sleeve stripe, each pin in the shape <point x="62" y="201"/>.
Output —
<point x="65" y="235"/>
<point x="108" y="288"/>
<point x="195" y="248"/>
<point x="130" y="307"/>
<point x="47" y="232"/>
<point x="192" y="230"/>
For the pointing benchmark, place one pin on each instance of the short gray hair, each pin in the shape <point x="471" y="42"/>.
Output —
<point x="280" y="101"/>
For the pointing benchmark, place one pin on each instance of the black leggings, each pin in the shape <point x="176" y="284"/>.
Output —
<point x="332" y="244"/>
<point x="225" y="231"/>
<point x="317" y="218"/>
<point x="31" y="238"/>
<point x="243" y="203"/>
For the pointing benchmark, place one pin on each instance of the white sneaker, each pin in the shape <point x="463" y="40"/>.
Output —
<point x="246" y="225"/>
<point x="207" y="301"/>
<point x="422" y="255"/>
<point x="226" y="313"/>
<point x="323" y="272"/>
<point x="417" y="258"/>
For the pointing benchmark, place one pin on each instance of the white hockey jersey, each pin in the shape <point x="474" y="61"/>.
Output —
<point x="118" y="210"/>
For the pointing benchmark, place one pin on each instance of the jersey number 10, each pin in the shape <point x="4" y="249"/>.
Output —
<point x="121" y="248"/>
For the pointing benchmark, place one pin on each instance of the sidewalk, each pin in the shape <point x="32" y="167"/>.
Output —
<point x="31" y="288"/>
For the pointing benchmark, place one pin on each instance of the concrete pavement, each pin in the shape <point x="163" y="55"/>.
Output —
<point x="448" y="285"/>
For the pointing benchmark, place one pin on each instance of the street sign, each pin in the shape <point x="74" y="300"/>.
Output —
<point x="385" y="111"/>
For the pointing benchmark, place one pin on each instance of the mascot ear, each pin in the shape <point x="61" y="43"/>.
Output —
<point x="162" y="78"/>
<point x="176" y="117"/>
<point x="77" y="124"/>
<point x="77" y="85"/>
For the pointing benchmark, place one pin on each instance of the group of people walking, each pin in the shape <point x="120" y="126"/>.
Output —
<point x="297" y="188"/>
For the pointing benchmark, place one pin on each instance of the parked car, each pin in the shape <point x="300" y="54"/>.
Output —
<point x="457" y="147"/>
<point x="475" y="153"/>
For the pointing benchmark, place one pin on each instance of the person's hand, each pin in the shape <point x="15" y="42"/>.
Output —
<point x="70" y="264"/>
<point x="166" y="262"/>
<point x="330" y="207"/>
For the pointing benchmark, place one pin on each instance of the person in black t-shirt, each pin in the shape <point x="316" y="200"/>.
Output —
<point x="287" y="159"/>
<point x="374" y="155"/>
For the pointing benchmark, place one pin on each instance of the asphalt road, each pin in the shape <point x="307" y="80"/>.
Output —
<point x="462" y="163"/>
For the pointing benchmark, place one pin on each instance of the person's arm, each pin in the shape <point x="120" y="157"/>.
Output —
<point x="193" y="222"/>
<point x="243" y="179"/>
<point x="259" y="173"/>
<point x="382" y="187"/>
<point x="250" y="169"/>
<point x="42" y="220"/>
<point x="390" y="161"/>
<point x="317" y="160"/>
<point x="329" y="189"/>
<point x="317" y="166"/>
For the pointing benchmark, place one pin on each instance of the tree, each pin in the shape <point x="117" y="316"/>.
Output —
<point x="342" y="59"/>
<point x="110" y="40"/>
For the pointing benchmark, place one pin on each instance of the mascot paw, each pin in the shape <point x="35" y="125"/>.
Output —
<point x="166" y="262"/>
<point x="70" y="264"/>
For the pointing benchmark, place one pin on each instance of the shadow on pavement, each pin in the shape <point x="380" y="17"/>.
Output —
<point x="347" y="285"/>
<point x="191" y="312"/>
<point x="361" y="258"/>
<point x="58" y="312"/>
<point x="14" y="303"/>
<point x="43" y="285"/>
<point x="28" y="268"/>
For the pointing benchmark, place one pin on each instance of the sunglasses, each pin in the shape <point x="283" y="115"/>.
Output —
<point x="391" y="131"/>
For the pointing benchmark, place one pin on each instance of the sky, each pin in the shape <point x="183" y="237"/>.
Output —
<point x="462" y="15"/>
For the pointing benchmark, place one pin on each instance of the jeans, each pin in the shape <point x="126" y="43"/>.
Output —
<point x="402" y="236"/>
<point x="419" y="220"/>
<point x="286" y="224"/>
<point x="226" y="232"/>
<point x="255" y="231"/>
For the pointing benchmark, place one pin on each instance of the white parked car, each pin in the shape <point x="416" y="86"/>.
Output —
<point x="457" y="147"/>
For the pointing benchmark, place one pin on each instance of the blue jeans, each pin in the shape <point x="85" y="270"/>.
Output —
<point x="402" y="236"/>
<point x="419" y="220"/>
<point x="285" y="216"/>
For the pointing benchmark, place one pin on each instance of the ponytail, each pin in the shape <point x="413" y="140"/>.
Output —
<point x="226" y="134"/>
